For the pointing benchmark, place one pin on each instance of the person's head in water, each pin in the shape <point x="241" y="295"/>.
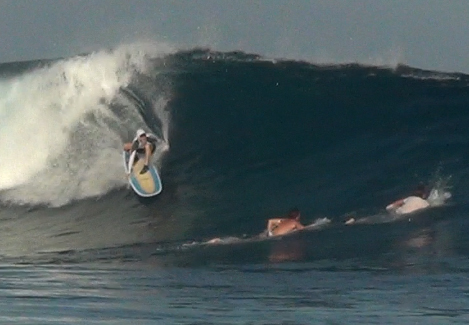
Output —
<point x="142" y="136"/>
<point x="294" y="214"/>
<point x="421" y="191"/>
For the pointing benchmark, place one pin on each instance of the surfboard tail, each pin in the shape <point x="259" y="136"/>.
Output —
<point x="146" y="184"/>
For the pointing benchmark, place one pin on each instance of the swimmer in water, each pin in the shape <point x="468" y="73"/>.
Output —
<point x="416" y="201"/>
<point x="275" y="227"/>
<point x="281" y="226"/>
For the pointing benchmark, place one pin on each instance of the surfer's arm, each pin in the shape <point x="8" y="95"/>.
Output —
<point x="147" y="153"/>
<point x="395" y="204"/>
<point x="127" y="146"/>
<point x="273" y="223"/>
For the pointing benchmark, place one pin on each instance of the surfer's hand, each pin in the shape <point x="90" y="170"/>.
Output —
<point x="144" y="169"/>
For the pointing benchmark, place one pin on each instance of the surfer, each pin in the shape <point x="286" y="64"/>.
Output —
<point x="145" y="144"/>
<point x="281" y="226"/>
<point x="275" y="227"/>
<point x="416" y="201"/>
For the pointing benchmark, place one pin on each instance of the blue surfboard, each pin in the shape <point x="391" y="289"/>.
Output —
<point x="147" y="184"/>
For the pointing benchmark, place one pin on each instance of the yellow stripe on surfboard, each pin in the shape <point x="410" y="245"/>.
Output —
<point x="146" y="181"/>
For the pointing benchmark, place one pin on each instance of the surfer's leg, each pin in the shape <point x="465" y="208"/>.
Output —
<point x="146" y="159"/>
<point x="147" y="154"/>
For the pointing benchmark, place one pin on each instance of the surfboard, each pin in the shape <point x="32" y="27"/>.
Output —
<point x="145" y="185"/>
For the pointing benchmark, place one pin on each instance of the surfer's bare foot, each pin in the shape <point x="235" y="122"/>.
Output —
<point x="144" y="169"/>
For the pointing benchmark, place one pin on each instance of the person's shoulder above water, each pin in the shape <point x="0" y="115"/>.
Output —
<point x="281" y="226"/>
<point x="275" y="227"/>
<point x="411" y="204"/>
<point x="416" y="201"/>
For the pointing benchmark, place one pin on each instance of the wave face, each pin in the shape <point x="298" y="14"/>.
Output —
<point x="248" y="139"/>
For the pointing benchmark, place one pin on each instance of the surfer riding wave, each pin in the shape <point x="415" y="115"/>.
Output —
<point x="144" y="144"/>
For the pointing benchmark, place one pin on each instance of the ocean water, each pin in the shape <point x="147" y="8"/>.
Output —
<point x="243" y="139"/>
<point x="267" y="294"/>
